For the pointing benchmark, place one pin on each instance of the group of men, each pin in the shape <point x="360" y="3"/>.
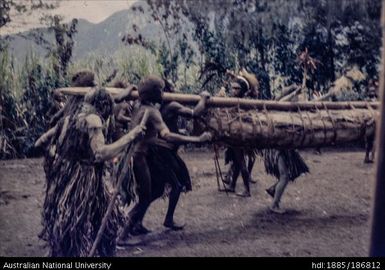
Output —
<point x="285" y="165"/>
<point x="88" y="133"/>
<point x="78" y="146"/>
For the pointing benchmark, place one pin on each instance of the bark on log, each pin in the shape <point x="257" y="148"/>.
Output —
<point x="302" y="129"/>
<point x="241" y="103"/>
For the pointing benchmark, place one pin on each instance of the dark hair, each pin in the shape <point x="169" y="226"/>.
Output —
<point x="151" y="89"/>
<point x="84" y="78"/>
<point x="120" y="84"/>
<point x="169" y="86"/>
<point x="102" y="101"/>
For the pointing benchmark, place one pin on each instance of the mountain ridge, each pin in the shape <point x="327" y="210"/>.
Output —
<point x="102" y="38"/>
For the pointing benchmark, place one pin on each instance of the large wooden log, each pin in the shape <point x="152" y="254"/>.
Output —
<point x="301" y="129"/>
<point x="241" y="103"/>
<point x="271" y="124"/>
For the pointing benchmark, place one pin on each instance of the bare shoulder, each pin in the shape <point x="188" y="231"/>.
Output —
<point x="174" y="105"/>
<point x="94" y="121"/>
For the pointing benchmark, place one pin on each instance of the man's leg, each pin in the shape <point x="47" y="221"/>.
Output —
<point x="250" y="165"/>
<point x="172" y="203"/>
<point x="136" y="215"/>
<point x="280" y="186"/>
<point x="228" y="175"/>
<point x="246" y="183"/>
<point x="373" y="154"/>
<point x="369" y="154"/>
<point x="235" y="171"/>
<point x="241" y="161"/>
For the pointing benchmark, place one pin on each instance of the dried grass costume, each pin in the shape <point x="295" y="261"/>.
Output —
<point x="292" y="159"/>
<point x="76" y="196"/>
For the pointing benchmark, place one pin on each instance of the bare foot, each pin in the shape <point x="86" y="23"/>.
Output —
<point x="173" y="226"/>
<point x="277" y="210"/>
<point x="139" y="229"/>
<point x="228" y="188"/>
<point x="252" y="181"/>
<point x="244" y="194"/>
<point x="123" y="243"/>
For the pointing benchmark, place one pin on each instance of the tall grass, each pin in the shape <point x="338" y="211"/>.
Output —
<point x="10" y="113"/>
<point x="25" y="95"/>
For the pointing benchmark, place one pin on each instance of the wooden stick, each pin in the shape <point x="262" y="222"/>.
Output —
<point x="238" y="102"/>
<point x="112" y="202"/>
<point x="291" y="95"/>
<point x="324" y="97"/>
<point x="287" y="90"/>
<point x="377" y="241"/>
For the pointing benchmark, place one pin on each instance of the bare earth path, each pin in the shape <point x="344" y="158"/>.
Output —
<point x="327" y="212"/>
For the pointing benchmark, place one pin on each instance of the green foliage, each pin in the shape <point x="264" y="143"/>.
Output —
<point x="130" y="65"/>
<point x="11" y="118"/>
<point x="5" y="7"/>
<point x="61" y="51"/>
<point x="26" y="98"/>
<point x="37" y="82"/>
<point x="266" y="37"/>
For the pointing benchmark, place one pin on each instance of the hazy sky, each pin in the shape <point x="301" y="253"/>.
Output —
<point x="92" y="10"/>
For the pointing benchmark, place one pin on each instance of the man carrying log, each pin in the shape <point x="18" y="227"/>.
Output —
<point x="243" y="85"/>
<point x="76" y="195"/>
<point x="150" y="157"/>
<point x="285" y="165"/>
<point x="177" y="172"/>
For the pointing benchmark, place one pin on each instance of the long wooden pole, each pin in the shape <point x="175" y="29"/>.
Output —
<point x="238" y="102"/>
<point x="377" y="241"/>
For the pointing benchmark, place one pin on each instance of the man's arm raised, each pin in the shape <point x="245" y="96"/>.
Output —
<point x="103" y="151"/>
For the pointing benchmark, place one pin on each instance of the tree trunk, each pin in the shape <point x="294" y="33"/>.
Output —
<point x="287" y="130"/>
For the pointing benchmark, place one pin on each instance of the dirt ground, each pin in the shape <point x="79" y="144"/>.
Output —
<point x="328" y="212"/>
